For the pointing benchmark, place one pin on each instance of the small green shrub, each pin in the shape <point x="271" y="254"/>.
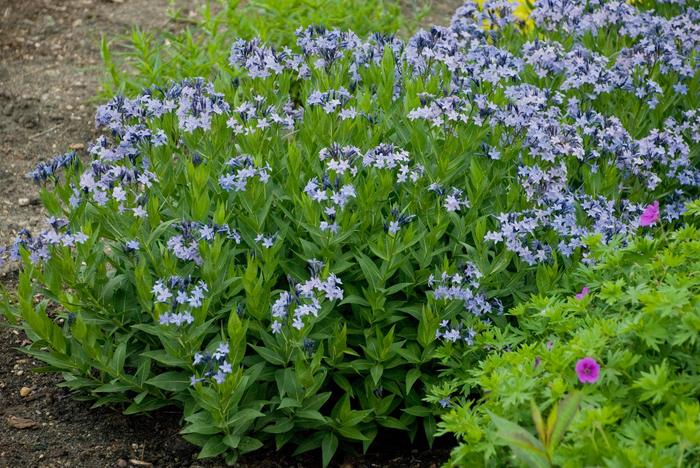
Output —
<point x="640" y="320"/>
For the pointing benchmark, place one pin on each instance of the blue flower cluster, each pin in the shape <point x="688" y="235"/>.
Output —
<point x="266" y="240"/>
<point x="252" y="116"/>
<point x="262" y="61"/>
<point x="331" y="190"/>
<point x="464" y="287"/>
<point x="489" y="87"/>
<point x="243" y="169"/>
<point x="552" y="126"/>
<point x="47" y="169"/>
<point x="38" y="248"/>
<point x="453" y="199"/>
<point x="396" y="221"/>
<point x="185" y="245"/>
<point x="179" y="293"/>
<point x="304" y="299"/>
<point x="212" y="365"/>
<point x="340" y="164"/>
<point x="454" y="334"/>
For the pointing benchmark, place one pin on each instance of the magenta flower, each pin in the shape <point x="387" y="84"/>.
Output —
<point x="650" y="215"/>
<point x="584" y="292"/>
<point x="587" y="370"/>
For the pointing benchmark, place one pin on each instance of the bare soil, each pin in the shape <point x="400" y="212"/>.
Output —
<point x="50" y="71"/>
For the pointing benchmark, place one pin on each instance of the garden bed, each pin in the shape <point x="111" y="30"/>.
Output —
<point x="335" y="242"/>
<point x="49" y="72"/>
<point x="48" y="428"/>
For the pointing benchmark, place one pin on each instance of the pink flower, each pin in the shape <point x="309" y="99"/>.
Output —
<point x="587" y="370"/>
<point x="650" y="215"/>
<point x="584" y="292"/>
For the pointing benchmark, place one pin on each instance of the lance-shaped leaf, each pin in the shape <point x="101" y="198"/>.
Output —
<point x="524" y="445"/>
<point x="539" y="423"/>
<point x="565" y="412"/>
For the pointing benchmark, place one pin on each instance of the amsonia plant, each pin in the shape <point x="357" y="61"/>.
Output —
<point x="293" y="251"/>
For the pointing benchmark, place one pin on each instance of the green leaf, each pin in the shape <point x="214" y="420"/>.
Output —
<point x="355" y="417"/>
<point x="207" y="428"/>
<point x="143" y="371"/>
<point x="289" y="403"/>
<point x="352" y="432"/>
<point x="147" y="405"/>
<point x="551" y="421"/>
<point x="420" y="411"/>
<point x="566" y="413"/>
<point x="214" y="446"/>
<point x="244" y="417"/>
<point x="269" y="355"/>
<point x="232" y="440"/>
<point x="539" y="423"/>
<point x="524" y="445"/>
<point x="163" y="357"/>
<point x="118" y="357"/>
<point x="249" y="444"/>
<point x="115" y="386"/>
<point x="310" y="443"/>
<point x="376" y="372"/>
<point x="311" y="415"/>
<point x="430" y="427"/>
<point x="370" y="270"/>
<point x="171" y="381"/>
<point x="392" y="423"/>
<point x="397" y="287"/>
<point x="115" y="283"/>
<point x="280" y="426"/>
<point x="411" y="377"/>
<point x="55" y="360"/>
<point x="354" y="299"/>
<point x="328" y="447"/>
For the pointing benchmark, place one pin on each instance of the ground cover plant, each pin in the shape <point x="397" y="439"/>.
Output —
<point x="309" y="247"/>
<point x="626" y="345"/>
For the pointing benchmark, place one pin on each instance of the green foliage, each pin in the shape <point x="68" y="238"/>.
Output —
<point x="143" y="59"/>
<point x="641" y="322"/>
<point x="130" y="300"/>
<point x="538" y="452"/>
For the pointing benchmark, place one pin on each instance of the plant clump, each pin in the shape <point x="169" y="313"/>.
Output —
<point x="297" y="249"/>
<point x="629" y="348"/>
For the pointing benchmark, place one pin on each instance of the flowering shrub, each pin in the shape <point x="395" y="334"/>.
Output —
<point x="290" y="252"/>
<point x="630" y="347"/>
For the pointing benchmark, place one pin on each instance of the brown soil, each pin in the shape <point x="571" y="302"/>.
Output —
<point x="50" y="70"/>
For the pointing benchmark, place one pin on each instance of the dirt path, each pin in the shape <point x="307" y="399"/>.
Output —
<point x="50" y="70"/>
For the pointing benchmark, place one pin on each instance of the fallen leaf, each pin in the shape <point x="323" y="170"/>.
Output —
<point x="21" y="423"/>
<point x="135" y="462"/>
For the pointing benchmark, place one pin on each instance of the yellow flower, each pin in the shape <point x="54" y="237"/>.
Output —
<point x="521" y="12"/>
